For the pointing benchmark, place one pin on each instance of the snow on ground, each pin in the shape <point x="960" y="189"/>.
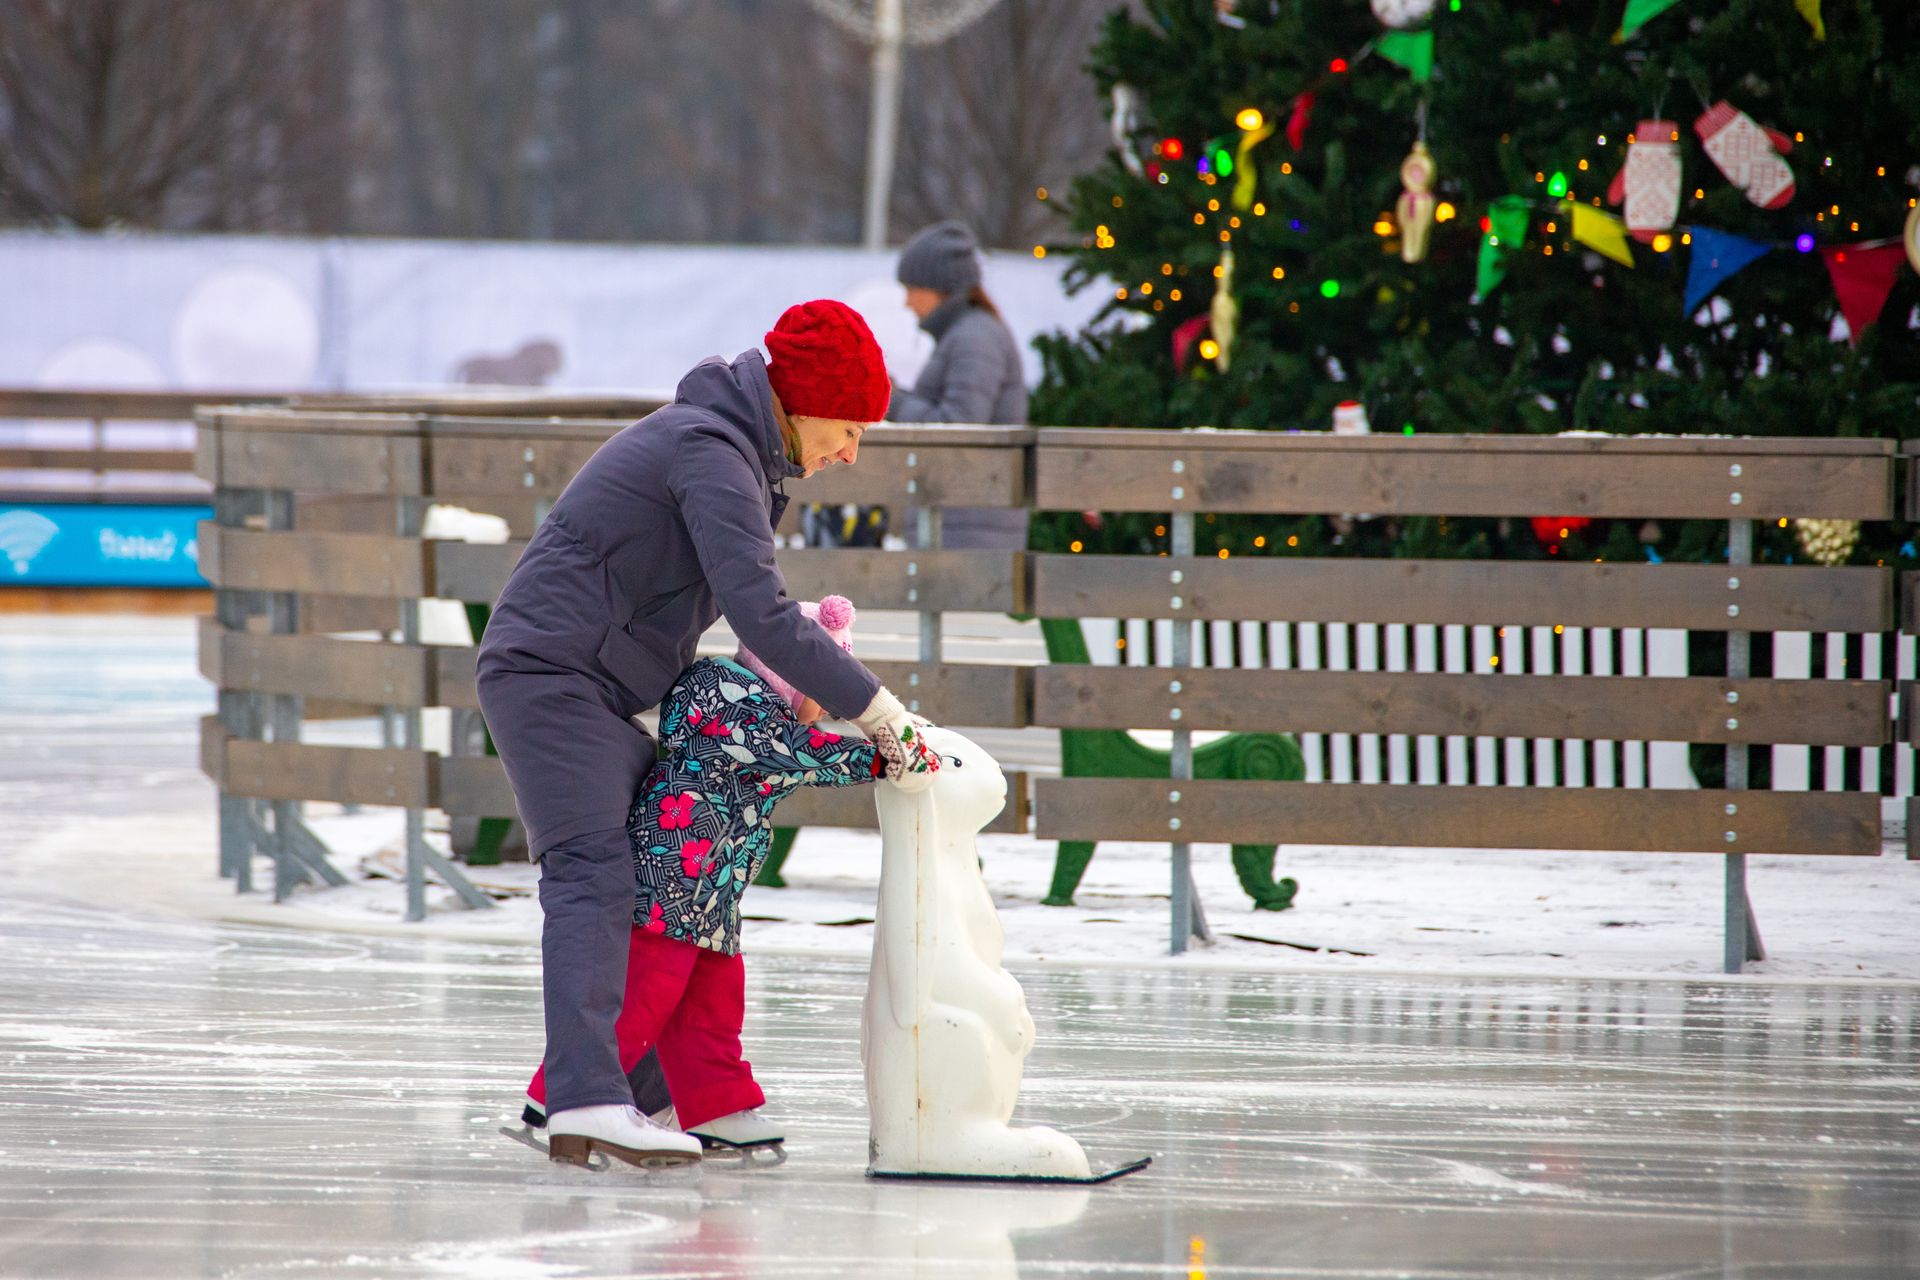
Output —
<point x="100" y="785"/>
<point x="1359" y="910"/>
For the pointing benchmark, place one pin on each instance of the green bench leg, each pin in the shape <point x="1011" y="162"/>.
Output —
<point x="1069" y="864"/>
<point x="1253" y="863"/>
<point x="777" y="855"/>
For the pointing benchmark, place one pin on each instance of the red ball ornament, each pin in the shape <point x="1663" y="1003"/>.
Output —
<point x="1551" y="531"/>
<point x="1171" y="148"/>
<point x="1338" y="66"/>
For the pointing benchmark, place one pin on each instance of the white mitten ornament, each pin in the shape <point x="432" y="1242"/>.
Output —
<point x="1749" y="155"/>
<point x="1649" y="183"/>
<point x="1416" y="203"/>
<point x="1400" y="14"/>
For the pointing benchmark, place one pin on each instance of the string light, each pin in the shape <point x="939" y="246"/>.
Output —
<point x="1040" y="193"/>
<point x="1117" y="202"/>
<point x="1557" y="185"/>
<point x="1039" y="251"/>
<point x="1120" y="295"/>
<point x="1146" y="286"/>
<point x="1259" y="210"/>
<point x="1444" y="212"/>
<point x="1338" y="66"/>
<point x="1662" y="242"/>
<point x="1174" y="296"/>
<point x="1279" y="273"/>
<point x="1209" y="349"/>
<point x="1249" y="119"/>
<point x="1329" y="288"/>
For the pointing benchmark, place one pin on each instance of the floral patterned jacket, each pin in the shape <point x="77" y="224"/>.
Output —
<point x="730" y="750"/>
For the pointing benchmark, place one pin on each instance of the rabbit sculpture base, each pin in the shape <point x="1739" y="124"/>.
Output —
<point x="945" y="1030"/>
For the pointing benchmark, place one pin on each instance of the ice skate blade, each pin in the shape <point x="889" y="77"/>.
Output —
<point x="770" y="1152"/>
<point x="577" y="1149"/>
<point x="1132" y="1166"/>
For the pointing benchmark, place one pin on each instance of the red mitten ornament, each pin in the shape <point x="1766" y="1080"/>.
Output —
<point x="1649" y="184"/>
<point x="1748" y="154"/>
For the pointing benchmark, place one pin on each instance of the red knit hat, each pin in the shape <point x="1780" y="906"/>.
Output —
<point x="826" y="363"/>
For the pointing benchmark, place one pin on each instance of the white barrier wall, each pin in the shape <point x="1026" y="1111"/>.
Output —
<point x="139" y="312"/>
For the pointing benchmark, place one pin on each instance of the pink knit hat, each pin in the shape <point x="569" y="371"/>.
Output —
<point x="835" y="613"/>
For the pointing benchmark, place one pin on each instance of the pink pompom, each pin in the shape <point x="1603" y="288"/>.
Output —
<point x="836" y="613"/>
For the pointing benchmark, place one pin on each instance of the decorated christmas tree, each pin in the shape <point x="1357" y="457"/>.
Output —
<point x="1631" y="216"/>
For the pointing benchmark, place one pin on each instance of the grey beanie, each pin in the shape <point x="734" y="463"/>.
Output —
<point x="943" y="257"/>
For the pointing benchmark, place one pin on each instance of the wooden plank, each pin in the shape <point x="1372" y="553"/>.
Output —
<point x="1459" y="817"/>
<point x="306" y="771"/>
<point x="1910" y="602"/>
<point x="854" y="807"/>
<point x="534" y="463"/>
<point x="1548" y="593"/>
<point x="125" y="406"/>
<point x="210" y="649"/>
<point x="972" y="695"/>
<point x="320" y="462"/>
<point x="974" y="581"/>
<point x="1700" y="709"/>
<point x="476" y="786"/>
<point x="472" y="572"/>
<point x="901" y="475"/>
<point x="213" y="749"/>
<point x="1279" y="441"/>
<point x="1465" y="482"/>
<point x="453" y="676"/>
<point x="473" y="786"/>
<point x="348" y="564"/>
<point x="30" y="459"/>
<point x="206" y="449"/>
<point x="363" y="672"/>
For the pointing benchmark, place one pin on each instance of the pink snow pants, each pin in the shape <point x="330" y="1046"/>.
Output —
<point x="690" y="1002"/>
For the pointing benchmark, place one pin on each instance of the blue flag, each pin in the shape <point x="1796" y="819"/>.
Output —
<point x="1716" y="256"/>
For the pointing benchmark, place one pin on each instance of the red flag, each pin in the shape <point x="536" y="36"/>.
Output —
<point x="1185" y="334"/>
<point x="1862" y="279"/>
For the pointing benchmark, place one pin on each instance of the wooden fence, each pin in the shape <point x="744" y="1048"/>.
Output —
<point x="264" y="463"/>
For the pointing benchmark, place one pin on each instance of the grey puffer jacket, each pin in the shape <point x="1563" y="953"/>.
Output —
<point x="974" y="374"/>
<point x="668" y="526"/>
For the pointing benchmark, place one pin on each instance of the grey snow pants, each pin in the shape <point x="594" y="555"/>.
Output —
<point x="586" y="891"/>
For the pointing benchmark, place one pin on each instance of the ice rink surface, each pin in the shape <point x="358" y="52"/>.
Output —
<point x="187" y="1096"/>
<point x="194" y="1099"/>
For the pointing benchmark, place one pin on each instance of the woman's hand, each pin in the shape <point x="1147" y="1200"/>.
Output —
<point x="897" y="736"/>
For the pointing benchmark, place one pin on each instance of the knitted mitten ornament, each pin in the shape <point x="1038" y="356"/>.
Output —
<point x="1748" y="154"/>
<point x="1649" y="183"/>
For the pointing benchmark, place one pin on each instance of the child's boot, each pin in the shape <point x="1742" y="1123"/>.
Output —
<point x="741" y="1129"/>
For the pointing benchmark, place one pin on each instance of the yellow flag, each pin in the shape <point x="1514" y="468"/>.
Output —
<point x="1243" y="183"/>
<point x="1810" y="10"/>
<point x="1601" y="232"/>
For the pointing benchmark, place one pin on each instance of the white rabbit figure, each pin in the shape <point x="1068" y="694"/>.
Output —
<point x="945" y="1029"/>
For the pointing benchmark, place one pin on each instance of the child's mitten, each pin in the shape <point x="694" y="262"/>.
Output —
<point x="1649" y="184"/>
<point x="1749" y="155"/>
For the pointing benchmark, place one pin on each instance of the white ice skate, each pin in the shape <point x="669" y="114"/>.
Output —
<point x="742" y="1131"/>
<point x="580" y="1134"/>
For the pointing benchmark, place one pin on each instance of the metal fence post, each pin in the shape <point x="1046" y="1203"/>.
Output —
<point x="1742" y="941"/>
<point x="1188" y="918"/>
<point x="239" y="712"/>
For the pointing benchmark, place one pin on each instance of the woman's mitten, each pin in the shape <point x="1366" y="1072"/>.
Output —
<point x="1749" y="155"/>
<point x="1649" y="184"/>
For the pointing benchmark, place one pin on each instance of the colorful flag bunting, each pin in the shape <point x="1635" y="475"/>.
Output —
<point x="1810" y="10"/>
<point x="1410" y="49"/>
<point x="1862" y="279"/>
<point x="1602" y="232"/>
<point x="1506" y="231"/>
<point x="1716" y="256"/>
<point x="1639" y="13"/>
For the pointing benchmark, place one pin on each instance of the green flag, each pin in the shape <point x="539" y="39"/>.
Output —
<point x="1640" y="12"/>
<point x="1410" y="49"/>
<point x="1506" y="230"/>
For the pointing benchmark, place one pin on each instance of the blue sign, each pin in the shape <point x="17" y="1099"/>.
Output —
<point x="101" y="545"/>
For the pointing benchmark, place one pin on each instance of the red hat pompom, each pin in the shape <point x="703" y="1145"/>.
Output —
<point x="826" y="363"/>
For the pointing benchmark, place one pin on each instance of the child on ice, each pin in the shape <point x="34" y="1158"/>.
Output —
<point x="734" y="740"/>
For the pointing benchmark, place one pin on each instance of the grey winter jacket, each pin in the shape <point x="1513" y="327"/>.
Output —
<point x="974" y="374"/>
<point x="668" y="526"/>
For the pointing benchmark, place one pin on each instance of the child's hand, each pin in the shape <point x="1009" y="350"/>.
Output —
<point x="898" y="737"/>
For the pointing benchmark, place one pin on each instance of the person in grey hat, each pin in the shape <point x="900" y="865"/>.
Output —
<point x="974" y="374"/>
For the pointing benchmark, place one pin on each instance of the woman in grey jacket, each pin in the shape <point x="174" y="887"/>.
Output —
<point x="974" y="374"/>
<point x="668" y="526"/>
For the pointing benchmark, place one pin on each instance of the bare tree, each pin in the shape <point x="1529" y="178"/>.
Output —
<point x="1000" y="110"/>
<point x="155" y="113"/>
